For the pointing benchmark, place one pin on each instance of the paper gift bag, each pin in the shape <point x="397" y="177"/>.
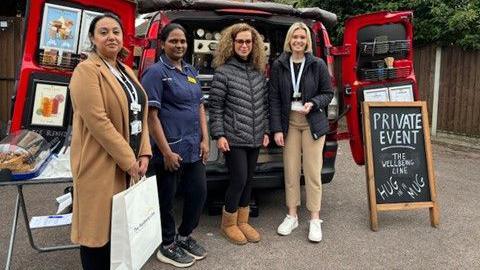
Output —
<point x="136" y="231"/>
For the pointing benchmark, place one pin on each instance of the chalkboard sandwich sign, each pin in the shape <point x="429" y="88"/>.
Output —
<point x="399" y="166"/>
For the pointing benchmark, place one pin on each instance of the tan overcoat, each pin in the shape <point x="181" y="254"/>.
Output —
<point x="100" y="150"/>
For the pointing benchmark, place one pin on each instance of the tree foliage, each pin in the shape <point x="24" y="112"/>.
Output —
<point x="444" y="22"/>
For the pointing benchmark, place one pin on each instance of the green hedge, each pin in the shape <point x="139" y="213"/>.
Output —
<point x="443" y="22"/>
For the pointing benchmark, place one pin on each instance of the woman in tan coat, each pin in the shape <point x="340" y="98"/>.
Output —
<point x="110" y="142"/>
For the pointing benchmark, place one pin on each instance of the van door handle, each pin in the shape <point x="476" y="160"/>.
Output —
<point x="348" y="90"/>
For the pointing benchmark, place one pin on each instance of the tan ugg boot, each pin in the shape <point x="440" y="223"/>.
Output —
<point x="250" y="233"/>
<point x="230" y="229"/>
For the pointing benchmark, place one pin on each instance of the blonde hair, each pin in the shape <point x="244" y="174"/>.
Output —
<point x="288" y="38"/>
<point x="225" y="48"/>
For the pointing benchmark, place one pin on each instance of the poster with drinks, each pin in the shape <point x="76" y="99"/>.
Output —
<point x="49" y="105"/>
<point x="60" y="28"/>
<point x="84" y="43"/>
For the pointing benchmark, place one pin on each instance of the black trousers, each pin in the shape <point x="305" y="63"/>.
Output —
<point x="191" y="180"/>
<point x="95" y="258"/>
<point x="241" y="163"/>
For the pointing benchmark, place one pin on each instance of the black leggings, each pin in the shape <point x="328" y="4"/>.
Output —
<point x="194" y="187"/>
<point x="241" y="163"/>
<point x="95" y="258"/>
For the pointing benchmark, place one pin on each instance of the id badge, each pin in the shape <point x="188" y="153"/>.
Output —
<point x="297" y="106"/>
<point x="135" y="107"/>
<point x="191" y="79"/>
<point x="136" y="127"/>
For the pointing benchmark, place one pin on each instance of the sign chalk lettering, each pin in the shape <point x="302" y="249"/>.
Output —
<point x="399" y="160"/>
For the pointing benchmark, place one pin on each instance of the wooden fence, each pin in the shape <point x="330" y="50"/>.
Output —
<point x="10" y="55"/>
<point x="424" y="66"/>
<point x="459" y="91"/>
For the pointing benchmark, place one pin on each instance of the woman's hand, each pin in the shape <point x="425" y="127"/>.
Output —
<point x="307" y="107"/>
<point x="278" y="138"/>
<point x="222" y="144"/>
<point x="134" y="171"/>
<point x="204" y="150"/>
<point x="266" y="140"/>
<point x="172" y="161"/>
<point x="143" y="165"/>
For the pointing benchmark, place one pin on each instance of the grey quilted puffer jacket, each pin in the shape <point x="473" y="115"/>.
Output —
<point x="238" y="104"/>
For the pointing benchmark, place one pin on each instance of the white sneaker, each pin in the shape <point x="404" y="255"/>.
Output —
<point x="315" y="230"/>
<point x="288" y="225"/>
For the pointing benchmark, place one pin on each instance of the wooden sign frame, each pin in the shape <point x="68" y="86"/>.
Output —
<point x="373" y="206"/>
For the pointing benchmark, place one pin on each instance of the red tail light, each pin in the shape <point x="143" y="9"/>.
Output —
<point x="150" y="52"/>
<point x="148" y="60"/>
<point x="329" y="154"/>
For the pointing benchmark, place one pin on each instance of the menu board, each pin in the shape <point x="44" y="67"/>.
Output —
<point x="399" y="165"/>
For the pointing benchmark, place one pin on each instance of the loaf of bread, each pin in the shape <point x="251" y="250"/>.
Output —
<point x="16" y="162"/>
<point x="22" y="151"/>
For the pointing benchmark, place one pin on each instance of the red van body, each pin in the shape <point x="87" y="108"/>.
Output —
<point x="272" y="20"/>
<point x="33" y="72"/>
<point x="358" y="76"/>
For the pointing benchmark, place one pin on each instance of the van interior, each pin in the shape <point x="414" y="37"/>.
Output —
<point x="203" y="36"/>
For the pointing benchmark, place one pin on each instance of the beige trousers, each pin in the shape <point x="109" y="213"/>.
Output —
<point x="299" y="140"/>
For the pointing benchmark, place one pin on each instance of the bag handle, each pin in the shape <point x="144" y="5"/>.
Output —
<point x="132" y="180"/>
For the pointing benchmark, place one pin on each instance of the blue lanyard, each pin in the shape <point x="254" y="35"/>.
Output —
<point x="296" y="81"/>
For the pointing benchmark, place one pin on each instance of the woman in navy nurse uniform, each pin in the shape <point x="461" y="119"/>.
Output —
<point x="178" y="128"/>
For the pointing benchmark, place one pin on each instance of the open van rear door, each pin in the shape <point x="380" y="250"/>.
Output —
<point x="54" y="42"/>
<point x="377" y="65"/>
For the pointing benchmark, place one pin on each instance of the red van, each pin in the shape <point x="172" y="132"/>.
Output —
<point x="377" y="62"/>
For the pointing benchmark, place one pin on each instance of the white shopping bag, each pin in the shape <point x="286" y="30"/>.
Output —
<point x="136" y="231"/>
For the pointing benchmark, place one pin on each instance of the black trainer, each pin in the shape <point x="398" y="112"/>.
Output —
<point x="175" y="256"/>
<point x="191" y="247"/>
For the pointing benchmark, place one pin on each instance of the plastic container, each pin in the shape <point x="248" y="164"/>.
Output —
<point x="25" y="153"/>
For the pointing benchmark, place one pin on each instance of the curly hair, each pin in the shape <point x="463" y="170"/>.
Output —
<point x="225" y="48"/>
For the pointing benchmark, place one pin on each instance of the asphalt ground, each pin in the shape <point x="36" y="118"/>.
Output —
<point x="405" y="239"/>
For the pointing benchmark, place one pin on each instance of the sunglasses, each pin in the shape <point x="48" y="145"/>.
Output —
<point x="241" y="41"/>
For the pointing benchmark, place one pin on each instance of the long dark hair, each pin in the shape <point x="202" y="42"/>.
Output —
<point x="91" y="31"/>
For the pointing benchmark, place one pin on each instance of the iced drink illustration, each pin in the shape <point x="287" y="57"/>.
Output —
<point x="47" y="106"/>
<point x="55" y="106"/>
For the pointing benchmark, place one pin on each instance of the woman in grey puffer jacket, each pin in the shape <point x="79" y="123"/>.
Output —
<point x="239" y="121"/>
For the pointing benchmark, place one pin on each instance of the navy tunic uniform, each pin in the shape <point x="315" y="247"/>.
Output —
<point x="177" y="95"/>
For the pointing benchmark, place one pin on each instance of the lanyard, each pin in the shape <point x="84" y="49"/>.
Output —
<point x="132" y="91"/>
<point x="296" y="81"/>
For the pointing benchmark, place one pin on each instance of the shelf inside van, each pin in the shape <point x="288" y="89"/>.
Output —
<point x="379" y="74"/>
<point x="384" y="47"/>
